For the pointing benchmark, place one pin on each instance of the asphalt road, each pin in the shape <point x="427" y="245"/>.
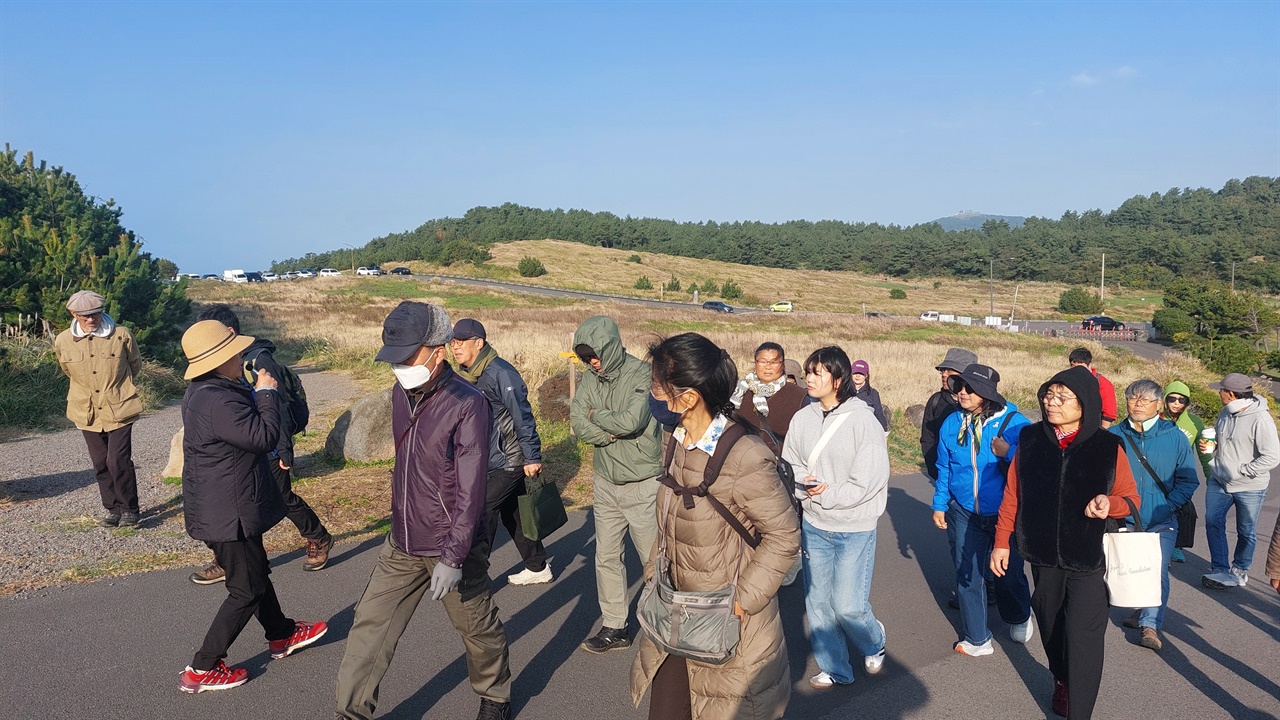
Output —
<point x="113" y="649"/>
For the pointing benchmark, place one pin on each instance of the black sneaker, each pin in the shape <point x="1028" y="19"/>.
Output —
<point x="490" y="710"/>
<point x="109" y="520"/>
<point x="607" y="639"/>
<point x="129" y="519"/>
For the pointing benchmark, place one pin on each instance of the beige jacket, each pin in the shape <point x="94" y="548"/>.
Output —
<point x="756" y="683"/>
<point x="1273" y="553"/>
<point x="103" y="396"/>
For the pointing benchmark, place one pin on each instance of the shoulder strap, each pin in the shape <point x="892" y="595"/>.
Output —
<point x="730" y="438"/>
<point x="825" y="438"/>
<point x="1005" y="423"/>
<point x="1143" y="459"/>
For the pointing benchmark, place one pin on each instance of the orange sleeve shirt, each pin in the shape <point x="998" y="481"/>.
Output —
<point x="1123" y="487"/>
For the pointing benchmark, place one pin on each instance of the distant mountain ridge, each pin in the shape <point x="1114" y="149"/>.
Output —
<point x="970" y="220"/>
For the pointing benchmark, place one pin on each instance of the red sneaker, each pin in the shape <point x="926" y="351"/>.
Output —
<point x="220" y="677"/>
<point x="303" y="635"/>
<point x="1059" y="698"/>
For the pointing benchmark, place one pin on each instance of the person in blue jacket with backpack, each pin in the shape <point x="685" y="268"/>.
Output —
<point x="975" y="445"/>
<point x="1164" y="468"/>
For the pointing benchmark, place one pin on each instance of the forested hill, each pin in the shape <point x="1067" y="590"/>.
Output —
<point x="1148" y="240"/>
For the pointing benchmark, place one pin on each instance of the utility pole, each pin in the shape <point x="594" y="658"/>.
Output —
<point x="991" y="293"/>
<point x="1102" y="286"/>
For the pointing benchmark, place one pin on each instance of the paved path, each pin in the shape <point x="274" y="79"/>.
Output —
<point x="113" y="649"/>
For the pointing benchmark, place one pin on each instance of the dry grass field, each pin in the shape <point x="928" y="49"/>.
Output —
<point x="584" y="267"/>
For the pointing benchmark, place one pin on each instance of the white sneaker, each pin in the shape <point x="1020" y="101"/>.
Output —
<point x="1022" y="632"/>
<point x="1220" y="580"/>
<point x="822" y="681"/>
<point x="529" y="577"/>
<point x="1242" y="576"/>
<point x="964" y="647"/>
<point x="874" y="663"/>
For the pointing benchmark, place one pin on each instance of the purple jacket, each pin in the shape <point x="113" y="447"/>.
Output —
<point x="440" y="478"/>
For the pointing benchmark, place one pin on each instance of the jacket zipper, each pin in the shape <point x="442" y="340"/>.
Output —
<point x="404" y="479"/>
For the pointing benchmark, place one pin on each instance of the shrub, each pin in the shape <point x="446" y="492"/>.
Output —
<point x="634" y="258"/>
<point x="1232" y="354"/>
<point x="643" y="283"/>
<point x="674" y="285"/>
<point x="1078" y="301"/>
<point x="898" y="294"/>
<point x="531" y="267"/>
<point x="730" y="290"/>
<point x="1171" y="322"/>
<point x="709" y="288"/>
<point x="693" y="288"/>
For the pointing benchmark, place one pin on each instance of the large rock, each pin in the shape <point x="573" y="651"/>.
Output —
<point x="553" y="396"/>
<point x="363" y="433"/>
<point x="174" y="468"/>
<point x="915" y="414"/>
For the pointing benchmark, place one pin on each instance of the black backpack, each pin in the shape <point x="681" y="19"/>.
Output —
<point x="730" y="437"/>
<point x="295" y="395"/>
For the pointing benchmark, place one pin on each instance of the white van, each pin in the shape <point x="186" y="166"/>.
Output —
<point x="234" y="276"/>
<point x="930" y="316"/>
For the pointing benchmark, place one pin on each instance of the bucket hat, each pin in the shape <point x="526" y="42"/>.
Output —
<point x="208" y="344"/>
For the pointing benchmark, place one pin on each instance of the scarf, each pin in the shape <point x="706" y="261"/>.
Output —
<point x="971" y="424"/>
<point x="105" y="326"/>
<point x="1064" y="439"/>
<point x="473" y="373"/>
<point x="760" y="392"/>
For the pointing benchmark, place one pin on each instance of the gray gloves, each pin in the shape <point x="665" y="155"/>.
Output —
<point x="443" y="580"/>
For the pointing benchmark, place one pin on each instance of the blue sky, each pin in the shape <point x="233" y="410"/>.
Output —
<point x="233" y="134"/>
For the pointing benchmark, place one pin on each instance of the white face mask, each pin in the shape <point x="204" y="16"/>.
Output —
<point x="412" y="376"/>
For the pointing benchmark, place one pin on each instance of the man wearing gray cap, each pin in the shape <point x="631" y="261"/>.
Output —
<point x="941" y="405"/>
<point x="1247" y="449"/>
<point x="101" y="359"/>
<point x="437" y="544"/>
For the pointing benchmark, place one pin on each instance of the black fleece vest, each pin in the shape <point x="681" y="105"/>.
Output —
<point x="1054" y="487"/>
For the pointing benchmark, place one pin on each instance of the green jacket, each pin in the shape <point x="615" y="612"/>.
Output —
<point x="611" y="407"/>
<point x="1188" y="423"/>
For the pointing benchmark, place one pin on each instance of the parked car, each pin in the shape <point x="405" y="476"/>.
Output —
<point x="781" y="306"/>
<point x="879" y="315"/>
<point x="375" y="270"/>
<point x="929" y="315"/>
<point x="270" y="276"/>
<point x="189" y="276"/>
<point x="211" y="276"/>
<point x="330" y="272"/>
<point x="254" y="277"/>
<point x="717" y="306"/>
<point x="307" y="273"/>
<point x="401" y="271"/>
<point x="291" y="275"/>
<point x="1100" y="322"/>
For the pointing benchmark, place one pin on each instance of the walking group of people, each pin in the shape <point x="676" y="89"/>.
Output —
<point x="721" y="483"/>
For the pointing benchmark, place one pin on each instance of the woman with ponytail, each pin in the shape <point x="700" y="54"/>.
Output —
<point x="704" y="549"/>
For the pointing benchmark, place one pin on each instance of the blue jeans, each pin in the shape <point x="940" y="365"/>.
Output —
<point x="1154" y="617"/>
<point x="972" y="538"/>
<point x="1217" y="502"/>
<point x="837" y="597"/>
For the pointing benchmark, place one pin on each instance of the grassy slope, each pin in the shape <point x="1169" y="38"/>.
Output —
<point x="584" y="267"/>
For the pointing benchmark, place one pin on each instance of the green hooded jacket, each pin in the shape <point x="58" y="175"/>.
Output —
<point x="1188" y="423"/>
<point x="611" y="407"/>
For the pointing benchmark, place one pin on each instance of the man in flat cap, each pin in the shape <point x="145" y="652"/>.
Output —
<point x="515" y="451"/>
<point x="101" y="359"/>
<point x="1247" y="450"/>
<point x="438" y="543"/>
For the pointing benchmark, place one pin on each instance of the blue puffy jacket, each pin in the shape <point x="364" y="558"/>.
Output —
<point x="1169" y="453"/>
<point x="956" y="463"/>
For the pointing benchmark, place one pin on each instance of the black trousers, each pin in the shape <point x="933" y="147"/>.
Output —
<point x="669" y="697"/>
<point x="249" y="594"/>
<point x="1071" y="609"/>
<point x="295" y="508"/>
<point x="112" y="456"/>
<point x="503" y="504"/>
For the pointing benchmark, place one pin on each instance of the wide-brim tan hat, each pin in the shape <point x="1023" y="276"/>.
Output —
<point x="208" y="344"/>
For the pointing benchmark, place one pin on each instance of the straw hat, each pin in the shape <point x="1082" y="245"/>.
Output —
<point x="208" y="344"/>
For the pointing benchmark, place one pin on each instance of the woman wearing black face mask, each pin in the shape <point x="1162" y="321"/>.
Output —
<point x="695" y="378"/>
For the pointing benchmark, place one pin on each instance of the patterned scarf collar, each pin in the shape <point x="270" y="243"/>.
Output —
<point x="970" y="425"/>
<point x="760" y="392"/>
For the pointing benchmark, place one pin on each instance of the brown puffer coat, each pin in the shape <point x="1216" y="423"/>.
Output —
<point x="755" y="684"/>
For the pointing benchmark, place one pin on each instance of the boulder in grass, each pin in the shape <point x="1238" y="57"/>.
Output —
<point x="174" y="468"/>
<point x="915" y="414"/>
<point x="363" y="433"/>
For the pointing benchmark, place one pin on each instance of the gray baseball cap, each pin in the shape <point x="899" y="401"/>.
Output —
<point x="1234" y="382"/>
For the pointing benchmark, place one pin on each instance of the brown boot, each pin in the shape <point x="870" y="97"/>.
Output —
<point x="1151" y="639"/>
<point x="209" y="574"/>
<point x="317" y="553"/>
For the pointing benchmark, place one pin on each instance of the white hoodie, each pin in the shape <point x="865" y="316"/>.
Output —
<point x="854" y="465"/>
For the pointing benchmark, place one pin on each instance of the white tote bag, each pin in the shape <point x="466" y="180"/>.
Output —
<point x="1133" y="565"/>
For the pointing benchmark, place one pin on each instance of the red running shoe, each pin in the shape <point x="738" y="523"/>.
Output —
<point x="220" y="677"/>
<point x="303" y="635"/>
<point x="1059" y="698"/>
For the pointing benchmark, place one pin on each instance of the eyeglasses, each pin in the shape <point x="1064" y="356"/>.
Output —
<point x="1057" y="399"/>
<point x="772" y="363"/>
<point x="659" y="393"/>
<point x="1143" y="401"/>
<point x="1176" y="400"/>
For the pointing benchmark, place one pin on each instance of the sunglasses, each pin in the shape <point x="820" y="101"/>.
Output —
<point x="959" y="386"/>
<point x="1176" y="400"/>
